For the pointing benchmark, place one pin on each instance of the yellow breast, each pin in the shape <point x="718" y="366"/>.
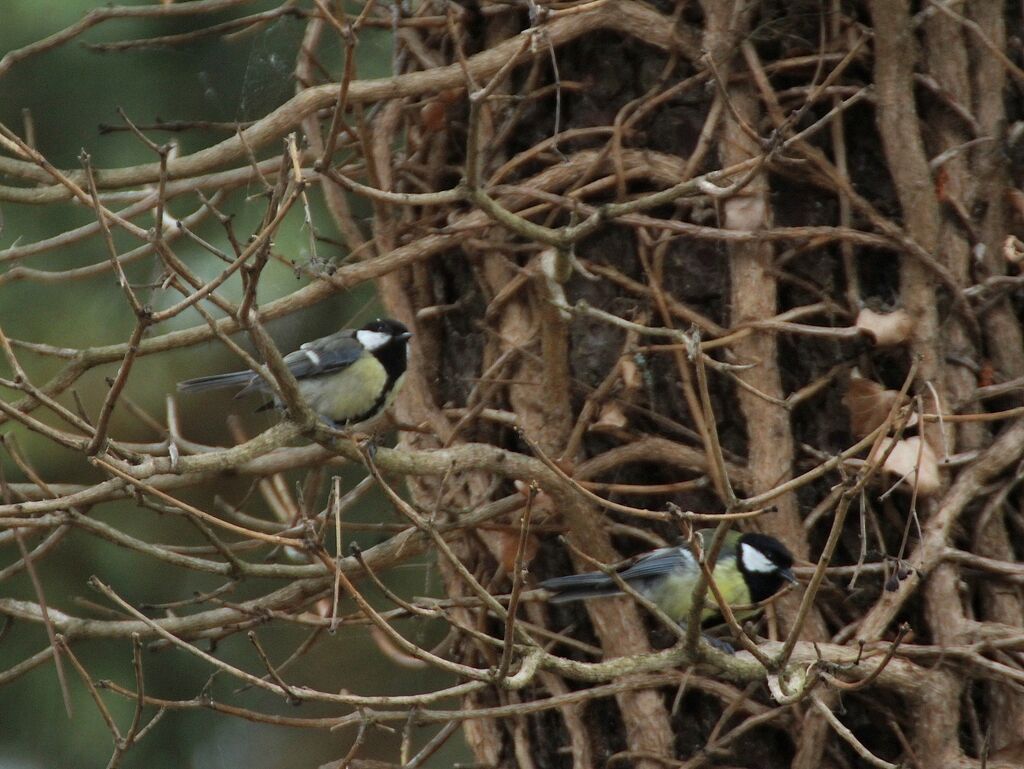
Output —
<point x="347" y="394"/>
<point x="674" y="594"/>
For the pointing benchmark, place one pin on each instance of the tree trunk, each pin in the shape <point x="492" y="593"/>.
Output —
<point x="865" y="147"/>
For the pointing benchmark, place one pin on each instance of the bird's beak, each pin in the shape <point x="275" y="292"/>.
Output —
<point x="405" y="336"/>
<point x="788" y="575"/>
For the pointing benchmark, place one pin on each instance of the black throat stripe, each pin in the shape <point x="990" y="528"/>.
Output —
<point x="393" y="358"/>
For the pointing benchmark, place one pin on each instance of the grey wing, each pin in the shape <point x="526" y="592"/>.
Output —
<point x="323" y="356"/>
<point x="660" y="562"/>
<point x="313" y="359"/>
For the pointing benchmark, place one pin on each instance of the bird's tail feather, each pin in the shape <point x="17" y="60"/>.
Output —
<point x="578" y="587"/>
<point x="582" y="595"/>
<point x="215" y="382"/>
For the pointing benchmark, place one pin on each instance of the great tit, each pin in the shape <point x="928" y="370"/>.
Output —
<point x="750" y="568"/>
<point x="347" y="378"/>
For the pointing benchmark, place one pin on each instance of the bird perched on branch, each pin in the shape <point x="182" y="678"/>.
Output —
<point x="749" y="569"/>
<point x="347" y="378"/>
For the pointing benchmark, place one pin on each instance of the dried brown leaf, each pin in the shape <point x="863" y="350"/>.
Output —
<point x="886" y="328"/>
<point x="611" y="416"/>
<point x="1013" y="249"/>
<point x="433" y="116"/>
<point x="986" y="374"/>
<point x="911" y="457"/>
<point x="392" y="652"/>
<point x="869" y="403"/>
<point x="745" y="212"/>
<point x="1016" y="199"/>
<point x="508" y="544"/>
<point x="1012" y="753"/>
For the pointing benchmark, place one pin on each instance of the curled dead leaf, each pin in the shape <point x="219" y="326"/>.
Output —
<point x="452" y="95"/>
<point x="433" y="116"/>
<point x="914" y="461"/>
<point x="1012" y="754"/>
<point x="392" y="652"/>
<point x="942" y="183"/>
<point x="886" y="328"/>
<point x="986" y="374"/>
<point x="745" y="212"/>
<point x="1013" y="249"/>
<point x="1016" y="199"/>
<point x="508" y="545"/>
<point x="322" y="608"/>
<point x="611" y="416"/>
<point x="541" y="499"/>
<point x="296" y="554"/>
<point x="869" y="403"/>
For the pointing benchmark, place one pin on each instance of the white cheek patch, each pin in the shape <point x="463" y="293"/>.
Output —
<point x="755" y="560"/>
<point x="372" y="340"/>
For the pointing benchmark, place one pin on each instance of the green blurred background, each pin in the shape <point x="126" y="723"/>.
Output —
<point x="70" y="91"/>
